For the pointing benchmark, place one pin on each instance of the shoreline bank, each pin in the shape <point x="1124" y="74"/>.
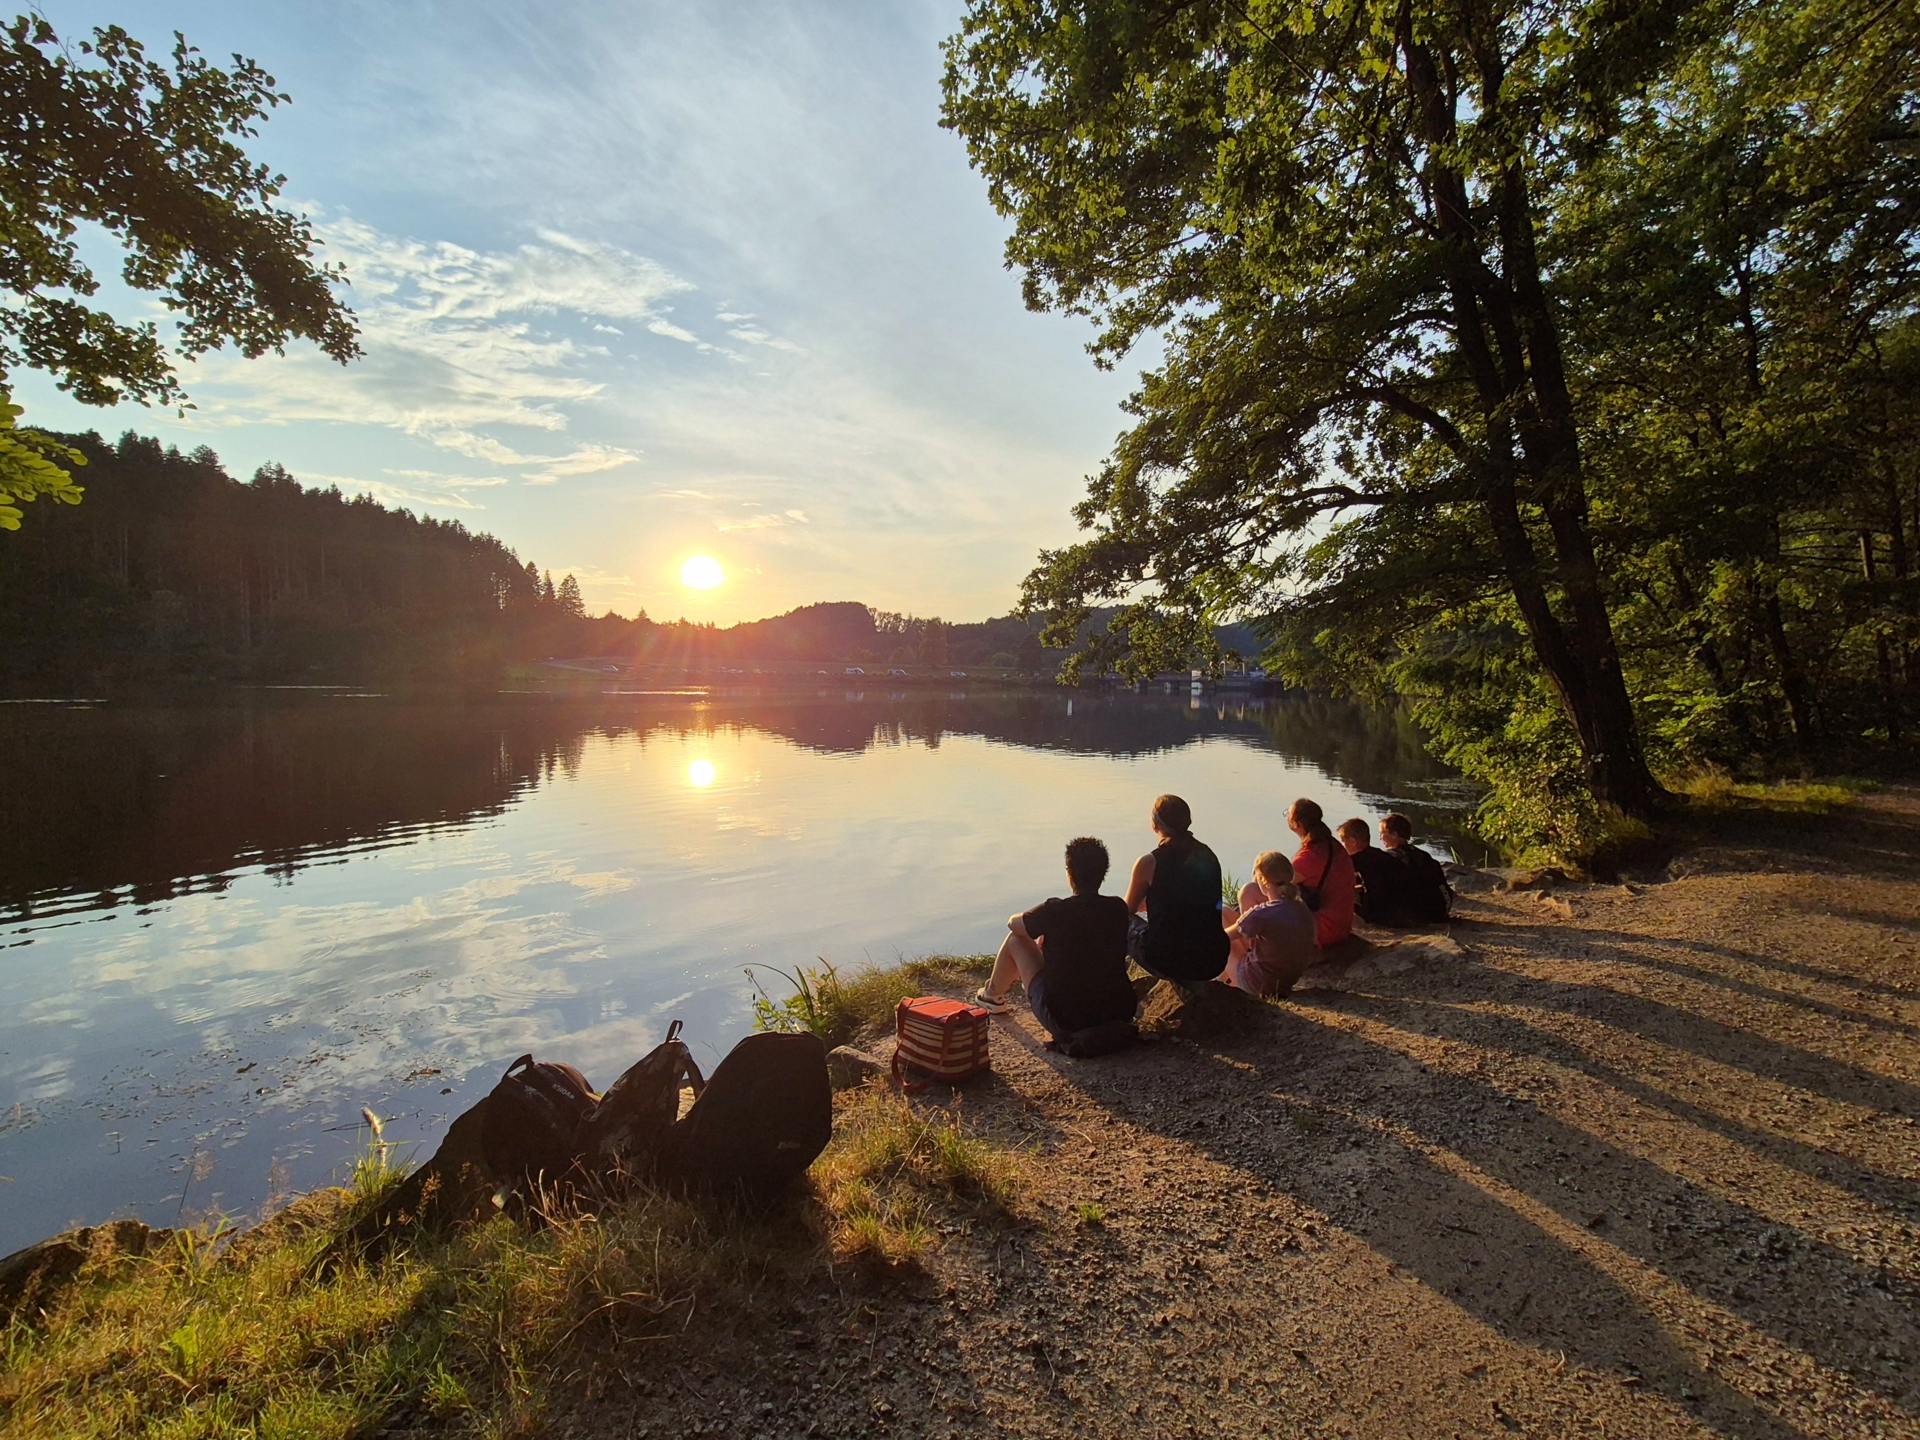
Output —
<point x="1641" y="1160"/>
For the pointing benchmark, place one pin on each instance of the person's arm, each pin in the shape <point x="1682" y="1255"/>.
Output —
<point x="1138" y="884"/>
<point x="1018" y="925"/>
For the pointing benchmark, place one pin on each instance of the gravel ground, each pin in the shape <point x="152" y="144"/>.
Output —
<point x="1644" y="1161"/>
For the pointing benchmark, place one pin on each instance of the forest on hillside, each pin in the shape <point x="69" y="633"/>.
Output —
<point x="173" y="571"/>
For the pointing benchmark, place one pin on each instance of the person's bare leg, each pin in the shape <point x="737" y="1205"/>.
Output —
<point x="1019" y="959"/>
<point x="1006" y="970"/>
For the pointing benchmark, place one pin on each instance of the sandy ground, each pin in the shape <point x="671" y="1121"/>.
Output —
<point x="1644" y="1162"/>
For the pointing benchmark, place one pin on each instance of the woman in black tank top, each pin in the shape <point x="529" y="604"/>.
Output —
<point x="1181" y="938"/>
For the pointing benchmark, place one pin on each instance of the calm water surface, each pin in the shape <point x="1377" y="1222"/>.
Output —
<point x="231" y="926"/>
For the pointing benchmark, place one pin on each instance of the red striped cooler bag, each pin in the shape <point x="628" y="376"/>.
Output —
<point x="946" y="1039"/>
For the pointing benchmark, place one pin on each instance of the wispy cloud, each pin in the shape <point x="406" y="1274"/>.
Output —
<point x="452" y="347"/>
<point x="450" y="482"/>
<point x="754" y="335"/>
<point x="587" y="460"/>
<point x="390" y="494"/>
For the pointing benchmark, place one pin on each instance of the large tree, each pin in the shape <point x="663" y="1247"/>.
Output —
<point x="149" y="152"/>
<point x="1334" y="214"/>
<point x="1742" y="267"/>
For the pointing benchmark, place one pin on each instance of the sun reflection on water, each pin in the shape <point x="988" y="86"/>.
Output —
<point x="700" y="774"/>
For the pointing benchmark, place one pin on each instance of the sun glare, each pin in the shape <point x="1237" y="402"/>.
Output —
<point x="700" y="774"/>
<point x="702" y="572"/>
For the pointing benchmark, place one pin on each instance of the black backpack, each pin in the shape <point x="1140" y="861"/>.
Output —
<point x="529" y="1121"/>
<point x="616" y="1141"/>
<point x="762" y="1119"/>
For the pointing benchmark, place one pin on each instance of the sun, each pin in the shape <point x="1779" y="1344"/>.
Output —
<point x="702" y="572"/>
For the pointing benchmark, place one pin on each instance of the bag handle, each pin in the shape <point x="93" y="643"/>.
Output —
<point x="898" y="1078"/>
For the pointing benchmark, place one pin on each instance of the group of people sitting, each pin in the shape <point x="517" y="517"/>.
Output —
<point x="1176" y="923"/>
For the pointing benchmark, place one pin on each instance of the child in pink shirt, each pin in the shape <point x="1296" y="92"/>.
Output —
<point x="1324" y="872"/>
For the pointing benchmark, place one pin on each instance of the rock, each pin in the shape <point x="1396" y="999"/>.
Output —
<point x="1545" y="878"/>
<point x="1416" y="952"/>
<point x="1466" y="880"/>
<point x="1197" y="1012"/>
<point x="33" y="1278"/>
<point x="850" y="1068"/>
<point x="318" y="1211"/>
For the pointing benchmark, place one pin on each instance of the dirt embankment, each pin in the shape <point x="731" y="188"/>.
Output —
<point x="1643" y="1162"/>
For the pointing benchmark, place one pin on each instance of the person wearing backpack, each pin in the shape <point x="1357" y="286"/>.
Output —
<point x="1069" y="954"/>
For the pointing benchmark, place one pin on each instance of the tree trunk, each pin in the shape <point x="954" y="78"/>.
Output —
<point x="1511" y="347"/>
<point x="1799" y="712"/>
<point x="1883" y="647"/>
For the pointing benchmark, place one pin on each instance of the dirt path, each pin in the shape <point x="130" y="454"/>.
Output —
<point x="1645" y="1163"/>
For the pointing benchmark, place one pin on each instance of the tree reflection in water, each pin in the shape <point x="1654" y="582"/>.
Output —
<point x="147" y="802"/>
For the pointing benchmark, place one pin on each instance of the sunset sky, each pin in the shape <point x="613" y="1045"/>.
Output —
<point x="640" y="281"/>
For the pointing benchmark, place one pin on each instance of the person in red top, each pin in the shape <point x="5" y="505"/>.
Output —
<point x="1324" y="872"/>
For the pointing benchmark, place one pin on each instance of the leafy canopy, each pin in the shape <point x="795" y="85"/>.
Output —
<point x="103" y="138"/>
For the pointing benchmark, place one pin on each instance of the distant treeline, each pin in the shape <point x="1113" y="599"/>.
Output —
<point x="173" y="570"/>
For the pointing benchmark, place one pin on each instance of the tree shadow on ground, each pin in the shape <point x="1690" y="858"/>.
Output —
<point x="1448" y="1020"/>
<point x="1284" y="1110"/>
<point x="1702" y="1035"/>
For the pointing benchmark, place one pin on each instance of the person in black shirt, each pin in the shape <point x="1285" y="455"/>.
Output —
<point x="1381" y="880"/>
<point x="1182" y="938"/>
<point x="1071" y="954"/>
<point x="1402" y="885"/>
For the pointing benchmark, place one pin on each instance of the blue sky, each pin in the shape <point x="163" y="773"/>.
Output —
<point x="640" y="281"/>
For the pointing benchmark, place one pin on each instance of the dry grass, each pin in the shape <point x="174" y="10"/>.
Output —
<point x="897" y="1171"/>
<point x="1713" y="789"/>
<point x="841" y="1008"/>
<point x="469" y="1330"/>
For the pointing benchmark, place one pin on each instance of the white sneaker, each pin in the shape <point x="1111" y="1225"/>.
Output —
<point x="1002" y="1006"/>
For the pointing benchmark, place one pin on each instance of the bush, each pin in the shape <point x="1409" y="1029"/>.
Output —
<point x="841" y="1008"/>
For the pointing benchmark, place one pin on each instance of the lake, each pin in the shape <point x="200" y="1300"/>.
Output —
<point x="231" y="925"/>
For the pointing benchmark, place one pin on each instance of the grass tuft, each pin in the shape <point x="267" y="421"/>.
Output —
<point x="895" y="1170"/>
<point x="461" y="1327"/>
<point x="841" y="1008"/>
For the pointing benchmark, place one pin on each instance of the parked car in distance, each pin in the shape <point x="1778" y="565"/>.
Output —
<point x="957" y="674"/>
<point x="896" y="672"/>
<point x="854" y="670"/>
